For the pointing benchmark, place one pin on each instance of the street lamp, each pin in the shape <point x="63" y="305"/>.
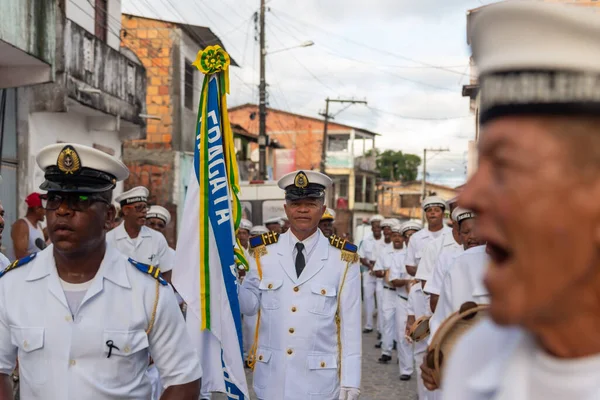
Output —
<point x="308" y="43"/>
<point x="262" y="92"/>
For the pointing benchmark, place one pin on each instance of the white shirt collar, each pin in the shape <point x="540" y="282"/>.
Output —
<point x="121" y="233"/>
<point x="309" y="243"/>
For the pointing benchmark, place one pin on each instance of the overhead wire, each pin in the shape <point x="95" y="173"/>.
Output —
<point x="443" y="68"/>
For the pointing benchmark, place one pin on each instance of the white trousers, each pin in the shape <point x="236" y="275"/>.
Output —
<point x="248" y="330"/>
<point x="388" y="312"/>
<point x="422" y="392"/>
<point x="368" y="283"/>
<point x="379" y="297"/>
<point x="405" y="349"/>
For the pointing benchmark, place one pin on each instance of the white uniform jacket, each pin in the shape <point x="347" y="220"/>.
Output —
<point x="462" y="283"/>
<point x="150" y="247"/>
<point x="445" y="260"/>
<point x="398" y="270"/>
<point x="64" y="356"/>
<point x="433" y="251"/>
<point x="417" y="244"/>
<point x="297" y="354"/>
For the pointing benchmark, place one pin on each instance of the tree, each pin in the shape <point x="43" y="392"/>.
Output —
<point x="395" y="165"/>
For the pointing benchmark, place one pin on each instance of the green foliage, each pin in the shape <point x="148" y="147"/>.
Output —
<point x="396" y="166"/>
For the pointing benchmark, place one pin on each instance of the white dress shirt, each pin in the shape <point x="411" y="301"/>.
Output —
<point x="433" y="251"/>
<point x="417" y="243"/>
<point x="65" y="355"/>
<point x="463" y="282"/>
<point x="310" y="243"/>
<point x="150" y="247"/>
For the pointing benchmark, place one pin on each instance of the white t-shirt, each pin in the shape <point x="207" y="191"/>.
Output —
<point x="562" y="379"/>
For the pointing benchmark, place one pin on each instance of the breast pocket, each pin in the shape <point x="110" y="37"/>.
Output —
<point x="32" y="360"/>
<point x="323" y="299"/>
<point x="125" y="355"/>
<point x="270" y="292"/>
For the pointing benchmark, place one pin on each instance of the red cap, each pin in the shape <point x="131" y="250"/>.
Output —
<point x="34" y="200"/>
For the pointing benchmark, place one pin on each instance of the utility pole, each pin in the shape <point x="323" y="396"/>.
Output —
<point x="262" y="106"/>
<point x="424" y="180"/>
<point x="325" y="124"/>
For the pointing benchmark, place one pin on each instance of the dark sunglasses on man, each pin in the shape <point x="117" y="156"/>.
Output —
<point x="75" y="201"/>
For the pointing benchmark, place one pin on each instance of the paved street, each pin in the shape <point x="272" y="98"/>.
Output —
<point x="379" y="382"/>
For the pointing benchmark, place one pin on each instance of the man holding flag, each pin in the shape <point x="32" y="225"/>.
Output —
<point x="305" y="289"/>
<point x="206" y="276"/>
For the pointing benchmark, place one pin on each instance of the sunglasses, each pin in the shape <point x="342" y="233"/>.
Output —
<point x="141" y="207"/>
<point x="74" y="201"/>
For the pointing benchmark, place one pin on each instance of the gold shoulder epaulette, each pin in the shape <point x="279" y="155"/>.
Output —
<point x="150" y="270"/>
<point x="258" y="244"/>
<point x="349" y="250"/>
<point x="17" y="264"/>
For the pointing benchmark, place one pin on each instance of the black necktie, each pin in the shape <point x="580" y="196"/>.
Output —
<point x="300" y="261"/>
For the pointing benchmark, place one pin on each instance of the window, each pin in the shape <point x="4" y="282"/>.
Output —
<point x="410" y="200"/>
<point x="188" y="93"/>
<point x="101" y="19"/>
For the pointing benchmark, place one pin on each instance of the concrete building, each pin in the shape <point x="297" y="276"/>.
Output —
<point x="298" y="143"/>
<point x="85" y="90"/>
<point x="162" y="161"/>
<point x="402" y="200"/>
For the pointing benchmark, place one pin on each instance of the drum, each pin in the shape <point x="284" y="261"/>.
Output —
<point x="448" y="334"/>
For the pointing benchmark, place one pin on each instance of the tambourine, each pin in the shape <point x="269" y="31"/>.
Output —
<point x="412" y="283"/>
<point x="420" y="329"/>
<point x="448" y="334"/>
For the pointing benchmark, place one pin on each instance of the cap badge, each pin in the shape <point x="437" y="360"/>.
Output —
<point x="301" y="180"/>
<point x="68" y="160"/>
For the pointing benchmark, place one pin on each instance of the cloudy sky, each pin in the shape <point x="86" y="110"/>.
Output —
<point x="407" y="58"/>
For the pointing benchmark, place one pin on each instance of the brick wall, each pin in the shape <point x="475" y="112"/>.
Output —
<point x="152" y="41"/>
<point x="151" y="161"/>
<point x="292" y="131"/>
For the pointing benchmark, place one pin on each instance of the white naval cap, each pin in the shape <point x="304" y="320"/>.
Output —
<point x="459" y="214"/>
<point x="376" y="218"/>
<point x="537" y="58"/>
<point x="329" y="214"/>
<point x="272" y="220"/>
<point x="258" y="230"/>
<point x="434" y="201"/>
<point x="160" y="213"/>
<point x="245" y="224"/>
<point x="389" y="222"/>
<point x="397" y="228"/>
<point x="410" y="226"/>
<point x="135" y="195"/>
<point x="71" y="167"/>
<point x="304" y="184"/>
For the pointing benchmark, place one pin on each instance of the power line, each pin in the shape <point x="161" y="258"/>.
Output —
<point x="442" y="68"/>
<point x="377" y="110"/>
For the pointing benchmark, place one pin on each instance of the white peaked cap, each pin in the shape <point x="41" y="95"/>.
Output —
<point x="273" y="220"/>
<point x="135" y="195"/>
<point x="258" y="230"/>
<point x="389" y="222"/>
<point x="376" y="218"/>
<point x="460" y="214"/>
<point x="410" y="226"/>
<point x="537" y="58"/>
<point x="433" y="201"/>
<point x="245" y="224"/>
<point x="159" y="212"/>
<point x="72" y="167"/>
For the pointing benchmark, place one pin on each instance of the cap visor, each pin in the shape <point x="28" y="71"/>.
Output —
<point x="71" y="188"/>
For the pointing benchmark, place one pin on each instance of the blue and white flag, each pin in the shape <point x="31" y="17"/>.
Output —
<point x="206" y="255"/>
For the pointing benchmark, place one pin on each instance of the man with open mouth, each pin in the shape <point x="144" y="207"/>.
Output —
<point x="535" y="195"/>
